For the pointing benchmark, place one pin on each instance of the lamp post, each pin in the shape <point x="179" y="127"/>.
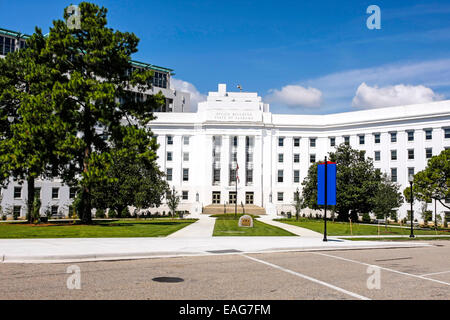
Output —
<point x="411" y="179"/>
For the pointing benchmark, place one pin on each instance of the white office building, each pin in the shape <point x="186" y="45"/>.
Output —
<point x="199" y="151"/>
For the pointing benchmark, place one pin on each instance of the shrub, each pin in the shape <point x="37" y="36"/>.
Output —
<point x="3" y="217"/>
<point x="125" y="213"/>
<point x="366" y="217"/>
<point x="112" y="213"/>
<point x="100" y="214"/>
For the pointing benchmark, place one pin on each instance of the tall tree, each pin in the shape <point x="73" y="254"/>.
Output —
<point x="108" y="93"/>
<point x="387" y="197"/>
<point x="134" y="180"/>
<point x="34" y="137"/>
<point x="434" y="181"/>
<point x="357" y="181"/>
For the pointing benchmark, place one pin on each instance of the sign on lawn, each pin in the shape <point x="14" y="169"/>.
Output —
<point x="330" y="183"/>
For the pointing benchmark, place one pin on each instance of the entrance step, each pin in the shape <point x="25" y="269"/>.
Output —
<point x="230" y="208"/>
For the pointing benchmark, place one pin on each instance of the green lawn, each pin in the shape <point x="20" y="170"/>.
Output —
<point x="99" y="229"/>
<point x="343" y="228"/>
<point x="226" y="225"/>
<point x="398" y="239"/>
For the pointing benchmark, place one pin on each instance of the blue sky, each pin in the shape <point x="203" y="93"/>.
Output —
<point x="301" y="56"/>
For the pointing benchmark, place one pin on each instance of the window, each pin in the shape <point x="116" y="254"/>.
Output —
<point x="280" y="157"/>
<point x="232" y="175"/>
<point x="169" y="140"/>
<point x="1" y="44"/>
<point x="296" y="157"/>
<point x="312" y="142"/>
<point x="393" y="136"/>
<point x="410" y="135"/>
<point x="216" y="176"/>
<point x="55" y="193"/>
<point x="428" y="153"/>
<point x="234" y="156"/>
<point x="185" y="174"/>
<point x="185" y="156"/>
<point x="186" y="140"/>
<point x="312" y="158"/>
<point x="169" y="156"/>
<point x="376" y="137"/>
<point x="249" y="176"/>
<point x="347" y="140"/>
<point x="410" y="172"/>
<point x="72" y="192"/>
<point x="169" y="174"/>
<point x="216" y="197"/>
<point x="280" y="141"/>
<point x="332" y="141"/>
<point x="428" y="134"/>
<point x="16" y="210"/>
<point x="393" y="154"/>
<point x="185" y="195"/>
<point x="410" y="154"/>
<point x="249" y="157"/>
<point x="394" y="174"/>
<point x="249" y="197"/>
<point x="280" y="196"/>
<point x="296" y="142"/>
<point x="232" y="197"/>
<point x="361" y="139"/>
<point x="280" y="175"/>
<point x="235" y="141"/>
<point x="296" y="176"/>
<point x="17" y="192"/>
<point x="37" y="192"/>
<point x="377" y="156"/>
<point x="447" y="133"/>
<point x="54" y="211"/>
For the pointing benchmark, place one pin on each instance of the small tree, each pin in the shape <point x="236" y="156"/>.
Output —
<point x="173" y="199"/>
<point x="299" y="203"/>
<point x="387" y="198"/>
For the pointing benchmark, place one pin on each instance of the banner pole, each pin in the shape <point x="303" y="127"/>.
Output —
<point x="325" y="214"/>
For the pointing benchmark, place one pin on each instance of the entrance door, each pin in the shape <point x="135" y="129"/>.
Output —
<point x="216" y="197"/>
<point x="249" y="198"/>
<point x="232" y="197"/>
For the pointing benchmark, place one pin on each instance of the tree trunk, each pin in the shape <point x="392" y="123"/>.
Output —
<point x="30" y="198"/>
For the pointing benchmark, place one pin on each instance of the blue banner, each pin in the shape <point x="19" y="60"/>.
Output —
<point x="331" y="183"/>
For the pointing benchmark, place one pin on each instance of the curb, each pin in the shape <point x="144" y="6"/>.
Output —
<point x="154" y="255"/>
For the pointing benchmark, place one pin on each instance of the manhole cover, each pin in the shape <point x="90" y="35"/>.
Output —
<point x="168" y="279"/>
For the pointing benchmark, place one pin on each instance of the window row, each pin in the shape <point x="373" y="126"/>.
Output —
<point x="55" y="192"/>
<point x="169" y="174"/>
<point x="169" y="156"/>
<point x="410" y="154"/>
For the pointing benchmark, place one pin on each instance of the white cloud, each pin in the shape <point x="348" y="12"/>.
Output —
<point x="374" y="97"/>
<point x="296" y="96"/>
<point x="185" y="86"/>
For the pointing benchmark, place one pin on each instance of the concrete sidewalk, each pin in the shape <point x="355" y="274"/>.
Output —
<point x="302" y="232"/>
<point x="98" y="249"/>
<point x="202" y="228"/>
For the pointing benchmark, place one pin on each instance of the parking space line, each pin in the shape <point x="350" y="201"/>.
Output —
<point x="355" y="295"/>
<point x="383" y="268"/>
<point x="434" y="273"/>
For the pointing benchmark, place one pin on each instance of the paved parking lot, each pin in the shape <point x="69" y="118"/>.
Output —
<point x="405" y="273"/>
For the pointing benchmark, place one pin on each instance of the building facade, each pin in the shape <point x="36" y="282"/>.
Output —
<point x="199" y="151"/>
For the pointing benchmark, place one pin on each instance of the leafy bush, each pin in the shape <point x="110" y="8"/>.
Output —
<point x="3" y="217"/>
<point x="100" y="214"/>
<point x="366" y="217"/>
<point x="112" y="213"/>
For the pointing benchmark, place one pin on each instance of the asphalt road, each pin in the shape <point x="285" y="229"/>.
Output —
<point x="412" y="273"/>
